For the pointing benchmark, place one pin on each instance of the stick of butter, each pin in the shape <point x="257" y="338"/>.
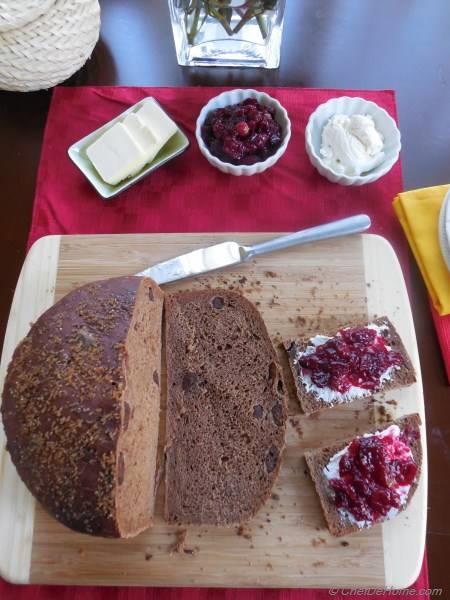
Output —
<point x="125" y="148"/>
<point x="162" y="126"/>
<point x="116" y="154"/>
<point x="144" y="137"/>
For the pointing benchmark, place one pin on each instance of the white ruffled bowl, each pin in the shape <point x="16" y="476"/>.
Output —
<point x="234" y="97"/>
<point x="352" y="106"/>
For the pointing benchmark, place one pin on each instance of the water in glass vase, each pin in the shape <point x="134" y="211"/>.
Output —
<point x="236" y="33"/>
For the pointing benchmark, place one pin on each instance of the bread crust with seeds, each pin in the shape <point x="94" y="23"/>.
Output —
<point x="69" y="409"/>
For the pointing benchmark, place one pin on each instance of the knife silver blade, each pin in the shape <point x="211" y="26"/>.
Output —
<point x="196" y="262"/>
<point x="227" y="254"/>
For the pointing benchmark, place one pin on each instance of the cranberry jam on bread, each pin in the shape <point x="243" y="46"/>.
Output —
<point x="226" y="409"/>
<point x="81" y="406"/>
<point x="370" y="478"/>
<point x="355" y="362"/>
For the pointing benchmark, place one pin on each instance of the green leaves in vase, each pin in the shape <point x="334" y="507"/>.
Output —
<point x="197" y="11"/>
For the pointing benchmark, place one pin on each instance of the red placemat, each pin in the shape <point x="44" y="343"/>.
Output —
<point x="188" y="195"/>
<point x="442" y="325"/>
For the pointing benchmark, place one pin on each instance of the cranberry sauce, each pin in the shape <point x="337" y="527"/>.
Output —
<point x="371" y="473"/>
<point x="242" y="134"/>
<point x="356" y="356"/>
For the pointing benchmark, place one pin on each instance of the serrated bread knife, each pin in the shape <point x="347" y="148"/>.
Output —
<point x="227" y="254"/>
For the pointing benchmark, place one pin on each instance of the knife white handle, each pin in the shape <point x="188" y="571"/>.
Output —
<point x="355" y="224"/>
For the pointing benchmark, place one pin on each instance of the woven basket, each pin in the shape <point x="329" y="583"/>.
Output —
<point x="15" y="13"/>
<point x="41" y="51"/>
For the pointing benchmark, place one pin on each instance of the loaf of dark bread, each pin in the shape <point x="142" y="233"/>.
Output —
<point x="226" y="409"/>
<point x="81" y="406"/>
<point x="311" y="403"/>
<point x="318" y="459"/>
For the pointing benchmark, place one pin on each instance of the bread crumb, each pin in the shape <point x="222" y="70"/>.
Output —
<point x="275" y="496"/>
<point x="178" y="546"/>
<point x="344" y="543"/>
<point x="318" y="563"/>
<point x="244" y="531"/>
<point x="273" y="303"/>
<point x="270" y="274"/>
<point x="295" y="422"/>
<point x="148" y="556"/>
<point x="319" y="541"/>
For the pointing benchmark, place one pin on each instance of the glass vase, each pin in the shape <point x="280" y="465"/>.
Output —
<point x="228" y="33"/>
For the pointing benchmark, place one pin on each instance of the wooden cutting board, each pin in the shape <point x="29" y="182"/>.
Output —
<point x="301" y="290"/>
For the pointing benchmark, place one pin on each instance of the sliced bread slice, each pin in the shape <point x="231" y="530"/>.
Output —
<point x="226" y="409"/>
<point x="81" y="406"/>
<point x="313" y="398"/>
<point x="340" y="522"/>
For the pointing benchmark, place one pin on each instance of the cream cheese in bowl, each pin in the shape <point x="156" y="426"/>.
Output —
<point x="352" y="141"/>
<point x="351" y="144"/>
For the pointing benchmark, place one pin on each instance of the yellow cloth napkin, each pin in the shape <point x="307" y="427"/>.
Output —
<point x="418" y="213"/>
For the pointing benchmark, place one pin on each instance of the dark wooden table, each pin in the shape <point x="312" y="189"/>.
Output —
<point x="404" y="45"/>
